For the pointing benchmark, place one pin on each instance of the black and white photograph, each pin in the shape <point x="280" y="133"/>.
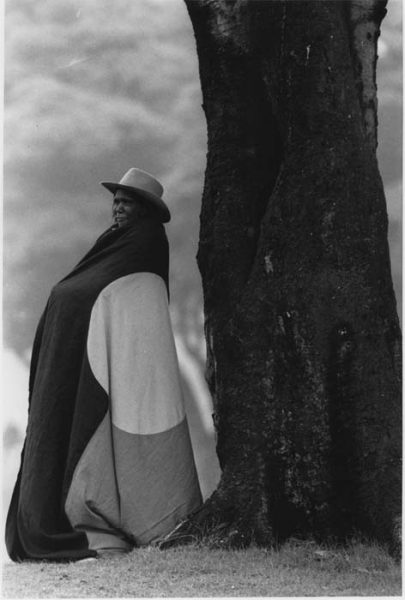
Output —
<point x="202" y="298"/>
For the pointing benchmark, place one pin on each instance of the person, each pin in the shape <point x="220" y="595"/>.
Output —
<point x="107" y="462"/>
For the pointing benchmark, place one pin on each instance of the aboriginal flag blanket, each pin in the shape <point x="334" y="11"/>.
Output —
<point x="107" y="460"/>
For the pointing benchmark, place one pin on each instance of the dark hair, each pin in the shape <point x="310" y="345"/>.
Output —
<point x="143" y="209"/>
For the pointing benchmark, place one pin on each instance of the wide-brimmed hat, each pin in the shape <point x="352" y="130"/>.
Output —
<point x="145" y="185"/>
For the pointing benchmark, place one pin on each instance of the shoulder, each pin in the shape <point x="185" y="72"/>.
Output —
<point x="147" y="230"/>
<point x="145" y="238"/>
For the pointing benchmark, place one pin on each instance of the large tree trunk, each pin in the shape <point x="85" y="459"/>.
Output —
<point x="301" y="325"/>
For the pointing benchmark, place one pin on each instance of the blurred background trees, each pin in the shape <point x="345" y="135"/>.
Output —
<point x="92" y="89"/>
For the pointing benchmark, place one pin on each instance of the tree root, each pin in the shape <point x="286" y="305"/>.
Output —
<point x="212" y="527"/>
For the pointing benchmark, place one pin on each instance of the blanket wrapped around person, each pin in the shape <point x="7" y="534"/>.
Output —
<point x="107" y="460"/>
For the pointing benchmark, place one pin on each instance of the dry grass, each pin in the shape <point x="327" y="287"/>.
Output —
<point x="297" y="569"/>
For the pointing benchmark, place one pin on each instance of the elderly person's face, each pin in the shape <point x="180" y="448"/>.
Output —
<point x="125" y="209"/>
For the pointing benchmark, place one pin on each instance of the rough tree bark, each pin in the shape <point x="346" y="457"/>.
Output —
<point x="300" y="315"/>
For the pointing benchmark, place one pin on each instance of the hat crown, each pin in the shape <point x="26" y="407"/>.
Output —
<point x="142" y="180"/>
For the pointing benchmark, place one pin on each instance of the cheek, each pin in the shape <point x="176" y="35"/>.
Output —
<point x="130" y="210"/>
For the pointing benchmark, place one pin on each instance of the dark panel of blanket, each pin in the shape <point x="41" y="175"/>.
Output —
<point x="66" y="403"/>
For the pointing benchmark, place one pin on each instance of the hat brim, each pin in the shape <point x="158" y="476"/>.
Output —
<point x="162" y="210"/>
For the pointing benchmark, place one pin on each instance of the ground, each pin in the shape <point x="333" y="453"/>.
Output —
<point x="297" y="569"/>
